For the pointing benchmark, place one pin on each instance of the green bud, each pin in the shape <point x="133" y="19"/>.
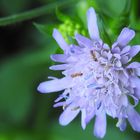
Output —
<point x="69" y="28"/>
<point x="77" y="26"/>
<point x="83" y="32"/>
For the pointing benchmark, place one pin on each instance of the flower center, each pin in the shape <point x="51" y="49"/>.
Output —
<point x="95" y="81"/>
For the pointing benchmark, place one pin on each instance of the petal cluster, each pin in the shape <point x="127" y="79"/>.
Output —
<point x="98" y="80"/>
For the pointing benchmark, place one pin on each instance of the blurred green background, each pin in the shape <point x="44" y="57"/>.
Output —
<point x="25" y="48"/>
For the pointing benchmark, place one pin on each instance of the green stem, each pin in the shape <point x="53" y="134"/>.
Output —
<point x="33" y="13"/>
<point x="133" y="13"/>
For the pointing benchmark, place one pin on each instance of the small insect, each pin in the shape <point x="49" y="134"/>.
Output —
<point x="93" y="55"/>
<point x="76" y="75"/>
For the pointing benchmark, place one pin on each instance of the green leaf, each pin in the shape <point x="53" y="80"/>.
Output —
<point x="112" y="8"/>
<point x="17" y="134"/>
<point x="81" y="9"/>
<point x="12" y="7"/>
<point x="19" y="82"/>
<point x="103" y="31"/>
<point x="45" y="29"/>
<point x="62" y="17"/>
<point x="74" y="132"/>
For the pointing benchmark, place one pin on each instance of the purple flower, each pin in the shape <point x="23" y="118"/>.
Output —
<point x="98" y="80"/>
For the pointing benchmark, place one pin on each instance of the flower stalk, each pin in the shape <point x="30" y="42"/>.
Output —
<point x="37" y="12"/>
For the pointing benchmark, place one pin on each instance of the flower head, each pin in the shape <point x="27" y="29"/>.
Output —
<point x="98" y="79"/>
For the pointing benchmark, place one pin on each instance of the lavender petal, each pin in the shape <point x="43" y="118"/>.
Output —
<point x="83" y="118"/>
<point x="89" y="116"/>
<point x="133" y="65"/>
<point x="100" y="125"/>
<point x="121" y="124"/>
<point x="83" y="41"/>
<point x="92" y="24"/>
<point x="68" y="114"/>
<point x="125" y="50"/>
<point x="137" y="71"/>
<point x="133" y="118"/>
<point x="125" y="36"/>
<point x="59" y="57"/>
<point x="134" y="50"/>
<point x="54" y="85"/>
<point x="60" y="40"/>
<point x="124" y="59"/>
<point x="59" y="67"/>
